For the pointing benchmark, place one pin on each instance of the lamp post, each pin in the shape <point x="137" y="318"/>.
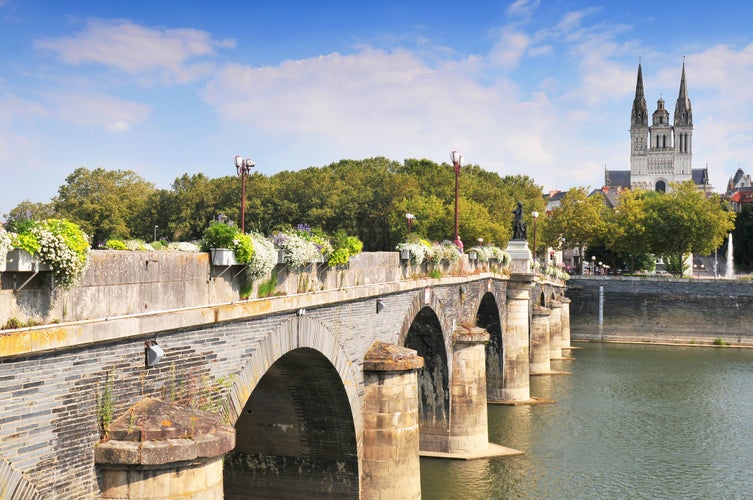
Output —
<point x="535" y="218"/>
<point x="243" y="167"/>
<point x="457" y="162"/>
<point x="155" y="233"/>
<point x="593" y="265"/>
<point x="409" y="218"/>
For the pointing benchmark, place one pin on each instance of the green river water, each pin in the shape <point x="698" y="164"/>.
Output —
<point x="630" y="422"/>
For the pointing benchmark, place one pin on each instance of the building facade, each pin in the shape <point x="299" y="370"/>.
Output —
<point x="660" y="153"/>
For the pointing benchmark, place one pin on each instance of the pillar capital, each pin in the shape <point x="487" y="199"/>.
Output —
<point x="470" y="335"/>
<point x="384" y="357"/>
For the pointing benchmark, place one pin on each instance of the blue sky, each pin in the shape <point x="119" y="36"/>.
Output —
<point x="541" y="88"/>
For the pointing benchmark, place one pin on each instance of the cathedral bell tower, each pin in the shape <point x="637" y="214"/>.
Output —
<point x="639" y="128"/>
<point x="683" y="129"/>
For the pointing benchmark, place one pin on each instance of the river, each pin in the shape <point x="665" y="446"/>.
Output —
<point x="630" y="422"/>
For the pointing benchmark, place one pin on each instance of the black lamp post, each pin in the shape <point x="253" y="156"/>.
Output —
<point x="243" y="167"/>
<point x="457" y="162"/>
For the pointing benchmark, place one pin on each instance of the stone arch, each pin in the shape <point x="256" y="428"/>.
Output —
<point x="14" y="485"/>
<point x="491" y="318"/>
<point x="297" y="415"/>
<point x="425" y="298"/>
<point x="296" y="333"/>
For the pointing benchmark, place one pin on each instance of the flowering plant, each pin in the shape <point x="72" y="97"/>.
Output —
<point x="222" y="234"/>
<point x="557" y="273"/>
<point x="5" y="244"/>
<point x="417" y="249"/>
<point x="301" y="245"/>
<point x="264" y="257"/>
<point x="345" y="247"/>
<point x="60" y="244"/>
<point x="183" y="246"/>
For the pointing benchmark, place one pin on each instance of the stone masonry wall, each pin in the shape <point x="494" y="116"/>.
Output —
<point x="119" y="283"/>
<point x="49" y="400"/>
<point x="662" y="310"/>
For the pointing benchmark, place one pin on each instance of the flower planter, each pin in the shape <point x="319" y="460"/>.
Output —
<point x="280" y="256"/>
<point x="472" y="256"/>
<point x="404" y="254"/>
<point x="223" y="257"/>
<point x="20" y="261"/>
<point x="2" y="264"/>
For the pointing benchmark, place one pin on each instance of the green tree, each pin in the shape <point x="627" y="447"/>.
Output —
<point x="27" y="210"/>
<point x="579" y="220"/>
<point x="684" y="221"/>
<point x="104" y="203"/>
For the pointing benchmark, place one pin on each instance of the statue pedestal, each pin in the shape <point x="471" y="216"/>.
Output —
<point x="520" y="257"/>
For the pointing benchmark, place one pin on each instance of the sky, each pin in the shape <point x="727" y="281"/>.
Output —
<point x="536" y="88"/>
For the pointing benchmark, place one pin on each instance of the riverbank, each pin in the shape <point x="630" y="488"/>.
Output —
<point x="661" y="311"/>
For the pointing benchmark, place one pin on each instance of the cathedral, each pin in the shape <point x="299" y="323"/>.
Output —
<point x="661" y="153"/>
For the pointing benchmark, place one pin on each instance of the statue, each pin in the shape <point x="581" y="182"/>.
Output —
<point x="518" y="226"/>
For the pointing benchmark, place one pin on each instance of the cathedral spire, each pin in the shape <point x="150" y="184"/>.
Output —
<point x="639" y="114"/>
<point x="683" y="111"/>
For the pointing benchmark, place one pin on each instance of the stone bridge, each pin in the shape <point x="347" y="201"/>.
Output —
<point x="333" y="392"/>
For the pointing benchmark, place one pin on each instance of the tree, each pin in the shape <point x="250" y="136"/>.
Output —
<point x="579" y="220"/>
<point x="27" y="210"/>
<point x="625" y="232"/>
<point x="685" y="221"/>
<point x="104" y="203"/>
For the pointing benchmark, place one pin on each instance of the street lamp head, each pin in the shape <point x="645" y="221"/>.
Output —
<point x="410" y="216"/>
<point x="243" y="165"/>
<point x="535" y="215"/>
<point x="457" y="158"/>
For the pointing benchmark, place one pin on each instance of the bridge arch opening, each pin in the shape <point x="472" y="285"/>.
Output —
<point x="425" y="336"/>
<point x="487" y="317"/>
<point x="295" y="437"/>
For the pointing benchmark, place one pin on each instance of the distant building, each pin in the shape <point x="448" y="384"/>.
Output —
<point x="739" y="190"/>
<point x="662" y="153"/>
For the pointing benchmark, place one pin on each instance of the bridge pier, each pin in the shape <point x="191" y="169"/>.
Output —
<point x="515" y="385"/>
<point x="540" y="351"/>
<point x="160" y="450"/>
<point x="469" y="429"/>
<point x="391" y="465"/>
<point x="565" y="322"/>
<point x="555" y="329"/>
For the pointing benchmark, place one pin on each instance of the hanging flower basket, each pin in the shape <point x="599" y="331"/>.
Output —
<point x="19" y="260"/>
<point x="223" y="257"/>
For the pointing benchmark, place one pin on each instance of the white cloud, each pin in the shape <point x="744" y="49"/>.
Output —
<point x="509" y="49"/>
<point x="99" y="111"/>
<point x="135" y="49"/>
<point x="523" y="8"/>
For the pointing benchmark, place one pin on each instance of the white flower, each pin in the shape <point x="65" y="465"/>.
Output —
<point x="264" y="258"/>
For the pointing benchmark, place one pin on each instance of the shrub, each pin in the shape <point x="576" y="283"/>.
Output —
<point x="218" y="235"/>
<point x="244" y="248"/>
<point x="114" y="244"/>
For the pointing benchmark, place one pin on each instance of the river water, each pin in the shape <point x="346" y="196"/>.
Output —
<point x="630" y="422"/>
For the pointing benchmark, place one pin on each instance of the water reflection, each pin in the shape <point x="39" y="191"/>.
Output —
<point x="630" y="422"/>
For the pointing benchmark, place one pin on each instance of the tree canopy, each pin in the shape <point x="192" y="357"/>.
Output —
<point x="368" y="198"/>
